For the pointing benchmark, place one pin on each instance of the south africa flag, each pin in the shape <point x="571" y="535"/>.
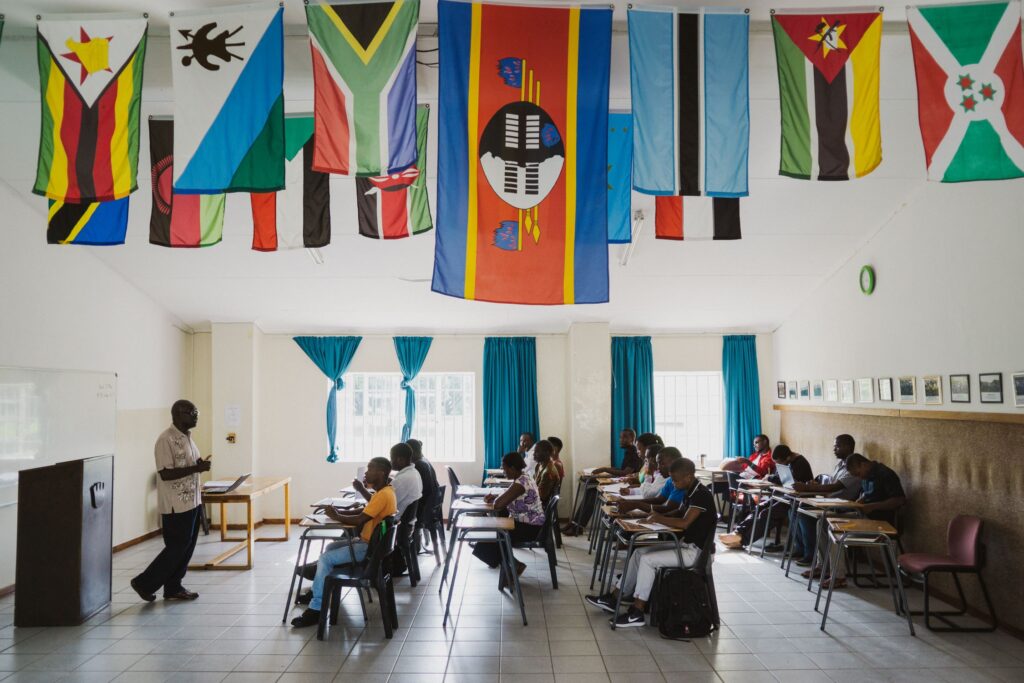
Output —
<point x="970" y="90"/>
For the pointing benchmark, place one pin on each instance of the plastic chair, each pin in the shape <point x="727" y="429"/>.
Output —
<point x="965" y="554"/>
<point x="435" y="527"/>
<point x="546" y="538"/>
<point x="702" y="568"/>
<point x="404" y="543"/>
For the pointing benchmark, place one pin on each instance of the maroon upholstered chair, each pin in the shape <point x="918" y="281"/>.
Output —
<point x="965" y="554"/>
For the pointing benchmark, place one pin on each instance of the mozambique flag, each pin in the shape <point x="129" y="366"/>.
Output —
<point x="93" y="223"/>
<point x="300" y="215"/>
<point x="397" y="205"/>
<point x="717" y="219"/>
<point x="90" y="77"/>
<point x="970" y="90"/>
<point x="828" y="89"/>
<point x="364" y="85"/>
<point x="522" y="161"/>
<point x="178" y="220"/>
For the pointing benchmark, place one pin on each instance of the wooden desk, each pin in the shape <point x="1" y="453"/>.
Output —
<point x="497" y="481"/>
<point x="844" y="525"/>
<point x="245" y="494"/>
<point x="471" y="528"/>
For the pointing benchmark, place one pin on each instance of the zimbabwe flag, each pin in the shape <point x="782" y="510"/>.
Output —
<point x="90" y="76"/>
<point x="522" y="153"/>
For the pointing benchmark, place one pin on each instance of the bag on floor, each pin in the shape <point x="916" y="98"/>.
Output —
<point x="683" y="606"/>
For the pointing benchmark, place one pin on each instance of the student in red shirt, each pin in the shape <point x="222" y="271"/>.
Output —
<point x="760" y="464"/>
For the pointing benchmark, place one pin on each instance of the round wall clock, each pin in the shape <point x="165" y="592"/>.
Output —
<point x="867" y="279"/>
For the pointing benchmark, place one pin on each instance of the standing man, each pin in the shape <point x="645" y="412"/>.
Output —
<point x="179" y="493"/>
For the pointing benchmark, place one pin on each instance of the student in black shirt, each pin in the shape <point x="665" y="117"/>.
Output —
<point x="881" y="489"/>
<point x="428" y="501"/>
<point x="631" y="463"/>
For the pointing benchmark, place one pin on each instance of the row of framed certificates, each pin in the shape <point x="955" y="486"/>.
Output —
<point x="904" y="389"/>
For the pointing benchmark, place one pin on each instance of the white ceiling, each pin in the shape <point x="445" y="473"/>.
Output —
<point x="795" y="233"/>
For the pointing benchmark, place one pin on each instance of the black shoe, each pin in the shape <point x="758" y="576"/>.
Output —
<point x="148" y="597"/>
<point x="181" y="595"/>
<point x="774" y="547"/>
<point x="804" y="561"/>
<point x="631" y="618"/>
<point x="605" y="602"/>
<point x="304" y="598"/>
<point x="309" y="617"/>
<point x="307" y="571"/>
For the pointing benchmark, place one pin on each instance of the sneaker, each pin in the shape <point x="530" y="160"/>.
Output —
<point x="804" y="561"/>
<point x="309" y="617"/>
<point x="605" y="602"/>
<point x="630" y="618"/>
<point x="148" y="597"/>
<point x="304" y="598"/>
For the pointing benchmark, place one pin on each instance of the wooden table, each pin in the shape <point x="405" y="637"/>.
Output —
<point x="245" y="494"/>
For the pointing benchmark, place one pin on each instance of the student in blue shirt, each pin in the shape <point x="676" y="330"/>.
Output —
<point x="670" y="498"/>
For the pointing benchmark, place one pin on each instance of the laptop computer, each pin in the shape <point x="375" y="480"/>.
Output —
<point x="219" y="487"/>
<point x="785" y="475"/>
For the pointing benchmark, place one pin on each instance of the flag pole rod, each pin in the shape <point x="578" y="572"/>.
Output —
<point x="638" y="224"/>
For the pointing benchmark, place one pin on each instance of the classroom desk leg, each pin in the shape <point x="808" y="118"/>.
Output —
<point x="223" y="524"/>
<point x="250" y="532"/>
<point x="287" y="512"/>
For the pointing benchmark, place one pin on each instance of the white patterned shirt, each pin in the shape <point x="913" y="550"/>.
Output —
<point x="175" y="449"/>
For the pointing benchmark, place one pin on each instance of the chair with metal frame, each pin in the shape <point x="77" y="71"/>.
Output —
<point x="702" y="568"/>
<point x="546" y="538"/>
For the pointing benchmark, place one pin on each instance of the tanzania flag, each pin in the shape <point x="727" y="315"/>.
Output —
<point x="970" y="90"/>
<point x="688" y="73"/>
<point x="620" y="177"/>
<point x="522" y="162"/>
<point x="178" y="220"/>
<point x="90" y="76"/>
<point x="718" y="219"/>
<point x="397" y="205"/>
<point x="300" y="215"/>
<point x="828" y="88"/>
<point x="228" y="74"/>
<point x="94" y="223"/>
<point x="364" y="85"/>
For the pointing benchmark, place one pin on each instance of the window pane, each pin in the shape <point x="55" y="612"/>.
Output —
<point x="688" y="412"/>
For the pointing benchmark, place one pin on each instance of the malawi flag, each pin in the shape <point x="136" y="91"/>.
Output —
<point x="300" y="215"/>
<point x="94" y="223"/>
<point x="522" y="160"/>
<point x="397" y="205"/>
<point x="364" y="85"/>
<point x="90" y="77"/>
<point x="717" y="219"/>
<point x="688" y="74"/>
<point x="970" y="90"/>
<point x="828" y="89"/>
<point x="178" y="220"/>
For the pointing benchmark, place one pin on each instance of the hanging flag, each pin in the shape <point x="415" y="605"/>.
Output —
<point x="299" y="216"/>
<point x="970" y="89"/>
<point x="397" y="205"/>
<point x="178" y="220"/>
<point x="228" y="73"/>
<point x="688" y="74"/>
<point x="620" y="179"/>
<point x="94" y="223"/>
<point x="718" y="219"/>
<point x="90" y="77"/>
<point x="828" y="89"/>
<point x="364" y="85"/>
<point x="522" y="153"/>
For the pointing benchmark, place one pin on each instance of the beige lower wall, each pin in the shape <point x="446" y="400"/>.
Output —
<point x="948" y="467"/>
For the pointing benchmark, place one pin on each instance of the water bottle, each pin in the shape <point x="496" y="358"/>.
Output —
<point x="703" y="458"/>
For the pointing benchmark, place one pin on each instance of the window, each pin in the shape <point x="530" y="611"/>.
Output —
<point x="688" y="412"/>
<point x="371" y="412"/>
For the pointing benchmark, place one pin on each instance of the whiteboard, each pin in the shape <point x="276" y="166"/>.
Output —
<point x="50" y="416"/>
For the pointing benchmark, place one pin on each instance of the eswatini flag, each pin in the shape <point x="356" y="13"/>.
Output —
<point x="692" y="218"/>
<point x="178" y="220"/>
<point x="90" y="77"/>
<point x="828" y="90"/>
<point x="522" y="153"/>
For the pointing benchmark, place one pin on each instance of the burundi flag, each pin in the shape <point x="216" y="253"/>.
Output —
<point x="300" y="215"/>
<point x="970" y="89"/>
<point x="227" y="66"/>
<point x="90" y="77"/>
<point x="688" y="72"/>
<point x="178" y="220"/>
<point x="828" y="90"/>
<point x="93" y="223"/>
<point x="397" y="205"/>
<point x="717" y="219"/>
<point x="620" y="177"/>
<point x="522" y="153"/>
<point x="364" y="85"/>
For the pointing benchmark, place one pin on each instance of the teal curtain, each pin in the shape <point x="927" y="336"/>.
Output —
<point x="510" y="395"/>
<point x="411" y="352"/>
<point x="742" y="394"/>
<point x="332" y="355"/>
<point x="632" y="389"/>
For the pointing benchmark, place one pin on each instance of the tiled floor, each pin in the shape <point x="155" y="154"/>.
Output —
<point x="234" y="633"/>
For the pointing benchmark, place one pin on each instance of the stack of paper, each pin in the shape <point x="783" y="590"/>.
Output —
<point x="654" y="526"/>
<point x="345" y="502"/>
<point x="219" y="483"/>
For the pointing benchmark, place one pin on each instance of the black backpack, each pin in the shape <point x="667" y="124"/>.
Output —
<point x="683" y="605"/>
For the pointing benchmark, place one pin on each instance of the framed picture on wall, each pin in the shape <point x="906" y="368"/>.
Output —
<point x="959" y="388"/>
<point x="816" y="390"/>
<point x="780" y="389"/>
<point x="990" y="386"/>
<point x="1018" y="389"/>
<point x="907" y="389"/>
<point x="885" y="388"/>
<point x="865" y="390"/>
<point x="932" y="389"/>
<point x="846" y="391"/>
<point x="832" y="390"/>
<point x="805" y="389"/>
<point x="791" y="386"/>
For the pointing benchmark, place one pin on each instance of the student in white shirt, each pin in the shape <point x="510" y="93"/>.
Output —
<point x="406" y="481"/>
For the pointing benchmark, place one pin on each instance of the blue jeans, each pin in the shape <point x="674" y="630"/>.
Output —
<point x="805" y="536"/>
<point x="335" y="555"/>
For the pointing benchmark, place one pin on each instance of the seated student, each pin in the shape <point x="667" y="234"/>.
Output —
<point x="556" y="457"/>
<point x="745" y="533"/>
<point x="428" y="483"/>
<point x="654" y="480"/>
<point x="381" y="505"/>
<point x="522" y="500"/>
<point x="631" y="462"/>
<point x="697" y="521"/>
<point x="526" y="443"/>
<point x="644" y="442"/>
<point x="545" y="474"/>
<point x="668" y="498"/>
<point x="840" y="484"/>
<point x="759" y="465"/>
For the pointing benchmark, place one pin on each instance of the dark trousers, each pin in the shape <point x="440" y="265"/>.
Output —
<point x="581" y="518"/>
<point x="489" y="552"/>
<point x="805" y="536"/>
<point x="746" y="528"/>
<point x="180" y="531"/>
